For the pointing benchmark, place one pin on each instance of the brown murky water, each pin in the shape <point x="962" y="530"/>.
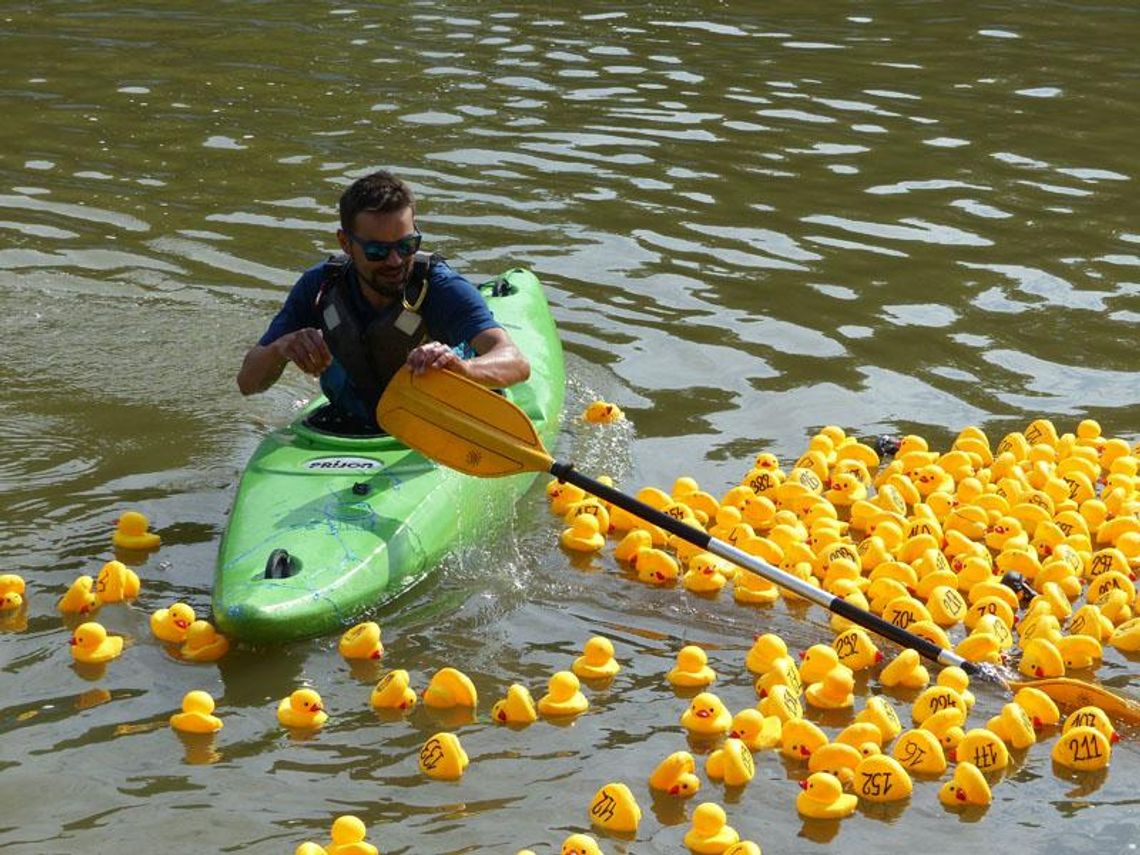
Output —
<point x="753" y="220"/>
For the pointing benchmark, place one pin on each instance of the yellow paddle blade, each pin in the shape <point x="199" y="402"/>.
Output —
<point x="1071" y="694"/>
<point x="461" y="424"/>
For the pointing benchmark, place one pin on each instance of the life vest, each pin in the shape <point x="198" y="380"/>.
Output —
<point x="371" y="353"/>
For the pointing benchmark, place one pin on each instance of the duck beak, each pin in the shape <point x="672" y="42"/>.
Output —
<point x="73" y="641"/>
<point x="804" y="784"/>
<point x="805" y="752"/>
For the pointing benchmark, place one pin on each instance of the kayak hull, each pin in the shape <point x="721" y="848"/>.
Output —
<point x="326" y="528"/>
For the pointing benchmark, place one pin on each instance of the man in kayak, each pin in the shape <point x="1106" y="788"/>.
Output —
<point x="355" y="320"/>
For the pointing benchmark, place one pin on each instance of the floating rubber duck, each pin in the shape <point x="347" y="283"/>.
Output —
<point x="800" y="738"/>
<point x="310" y="848"/>
<point x="203" y="643"/>
<point x="1089" y="620"/>
<point x="583" y="535"/>
<point x="450" y="687"/>
<point x="781" y="702"/>
<point x="879" y="712"/>
<point x="615" y="809"/>
<point x="783" y="673"/>
<point x="756" y="730"/>
<point x="562" y="496"/>
<point x="765" y="650"/>
<point x="838" y="759"/>
<point x="12" y="584"/>
<point x="116" y="583"/>
<point x="580" y="844"/>
<point x="920" y="752"/>
<point x="946" y="606"/>
<point x="1126" y="637"/>
<point x="1079" y="651"/>
<point x="982" y="747"/>
<point x="750" y="589"/>
<point x="361" y="642"/>
<point x="1014" y="726"/>
<point x="131" y="532"/>
<point x="705" y="574"/>
<point x="732" y="763"/>
<point x="602" y="413"/>
<point x="302" y="710"/>
<point x="171" y="624"/>
<point x="823" y="798"/>
<point x="443" y="758"/>
<point x="1091" y="716"/>
<point x="742" y="847"/>
<point x="835" y="691"/>
<point x="967" y="787"/>
<point x="935" y="699"/>
<point x="845" y="490"/>
<point x="856" y="650"/>
<point x="675" y="775"/>
<point x="946" y="726"/>
<point x="655" y="566"/>
<point x="80" y="597"/>
<point x="859" y="733"/>
<point x="692" y="668"/>
<point x="1040" y="708"/>
<point x="816" y="661"/>
<point x="706" y="715"/>
<point x="563" y="696"/>
<point x="393" y="692"/>
<point x="597" y="661"/>
<point x="959" y="681"/>
<point x="980" y="647"/>
<point x="1040" y="659"/>
<point x="90" y="643"/>
<point x="881" y="778"/>
<point x="710" y="833"/>
<point x="11" y="603"/>
<point x="1083" y="748"/>
<point x="516" y="708"/>
<point x="197" y="714"/>
<point x="348" y="833"/>
<point x="634" y="542"/>
<point x="905" y="670"/>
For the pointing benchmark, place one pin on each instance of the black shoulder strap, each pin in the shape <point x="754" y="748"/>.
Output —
<point x="336" y="266"/>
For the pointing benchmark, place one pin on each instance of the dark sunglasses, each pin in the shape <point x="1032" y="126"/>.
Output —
<point x="378" y="250"/>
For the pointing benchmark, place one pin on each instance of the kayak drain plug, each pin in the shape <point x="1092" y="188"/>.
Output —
<point x="280" y="565"/>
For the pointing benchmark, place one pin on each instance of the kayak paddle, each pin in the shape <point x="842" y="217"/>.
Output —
<point x="480" y="432"/>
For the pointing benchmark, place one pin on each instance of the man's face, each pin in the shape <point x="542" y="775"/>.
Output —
<point x="384" y="277"/>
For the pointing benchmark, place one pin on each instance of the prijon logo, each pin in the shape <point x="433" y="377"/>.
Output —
<point x="342" y="464"/>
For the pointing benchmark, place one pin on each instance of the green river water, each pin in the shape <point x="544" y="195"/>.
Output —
<point x="753" y="219"/>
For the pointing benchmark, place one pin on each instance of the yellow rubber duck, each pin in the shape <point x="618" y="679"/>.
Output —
<point x="920" y="752"/>
<point x="1091" y="716"/>
<point x="90" y="643"/>
<point x="1079" y="651"/>
<point x="881" y="778"/>
<point x="932" y="632"/>
<point x="1040" y="659"/>
<point x="450" y="687"/>
<point x="171" y="624"/>
<point x="615" y="809"/>
<point x="563" y="696"/>
<point x="1089" y="620"/>
<point x="751" y="589"/>
<point x="10" y="604"/>
<point x="764" y="652"/>
<point x="845" y="489"/>
<point x="516" y="708"/>
<point x="980" y="647"/>
<point x="879" y="712"/>
<point x="710" y="833"/>
<point x="838" y="759"/>
<point x="816" y="661"/>
<point x="946" y="606"/>
<point x="310" y="848"/>
<point x="991" y="605"/>
<point x="959" y="681"/>
<point x="116" y="583"/>
<point x="1040" y="708"/>
<point x="905" y="670"/>
<point x="562" y="496"/>
<point x="781" y="702"/>
<point x="443" y="758"/>
<point x="131" y="533"/>
<point x="856" y="650"/>
<point x="197" y="714"/>
<point x="603" y="413"/>
<point x="361" y="641"/>
<point x="348" y="833"/>
<point x="756" y="730"/>
<point x="1126" y="637"/>
<point x="835" y="691"/>
<point x="946" y="726"/>
<point x="858" y="734"/>
<point x="967" y="787"/>
<point x="597" y="661"/>
<point x="935" y="699"/>
<point x="12" y="583"/>
<point x="634" y="542"/>
<point x="823" y="798"/>
<point x="580" y="844"/>
<point x="80" y="597"/>
<point x="706" y="715"/>
<point x="393" y="692"/>
<point x="583" y="535"/>
<point x="203" y="643"/>
<point x="675" y="775"/>
<point x="302" y="710"/>
<point x="1083" y="748"/>
<point x="800" y="738"/>
<point x="1014" y="726"/>
<point x="692" y="668"/>
<point x="732" y="763"/>
<point x="742" y="847"/>
<point x="783" y="673"/>
<point x="655" y="566"/>
<point x="982" y="747"/>
<point x="704" y="576"/>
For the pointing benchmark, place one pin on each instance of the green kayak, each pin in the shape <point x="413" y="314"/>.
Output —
<point x="327" y="527"/>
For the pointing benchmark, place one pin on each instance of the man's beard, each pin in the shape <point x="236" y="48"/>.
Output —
<point x="390" y="289"/>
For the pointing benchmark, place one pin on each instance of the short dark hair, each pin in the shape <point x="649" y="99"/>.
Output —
<point x="380" y="191"/>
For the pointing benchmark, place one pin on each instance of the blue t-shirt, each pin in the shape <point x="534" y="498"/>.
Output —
<point x="453" y="310"/>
